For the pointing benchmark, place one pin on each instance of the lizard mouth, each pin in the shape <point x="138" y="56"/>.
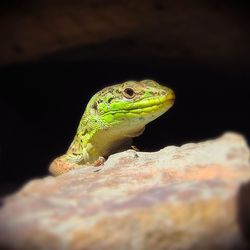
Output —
<point x="163" y="102"/>
<point x="156" y="104"/>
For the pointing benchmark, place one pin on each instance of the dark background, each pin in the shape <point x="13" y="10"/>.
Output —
<point x="48" y="74"/>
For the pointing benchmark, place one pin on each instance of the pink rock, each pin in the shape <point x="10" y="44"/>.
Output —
<point x="177" y="198"/>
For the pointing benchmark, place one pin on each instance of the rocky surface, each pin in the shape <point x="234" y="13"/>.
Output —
<point x="198" y="31"/>
<point x="177" y="198"/>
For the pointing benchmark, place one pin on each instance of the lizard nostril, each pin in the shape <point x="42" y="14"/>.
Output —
<point x="94" y="106"/>
<point x="110" y="99"/>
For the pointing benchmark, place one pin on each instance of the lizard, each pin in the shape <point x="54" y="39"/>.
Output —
<point x="112" y="117"/>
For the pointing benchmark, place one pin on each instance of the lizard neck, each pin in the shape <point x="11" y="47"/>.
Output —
<point x="92" y="141"/>
<point x="81" y="147"/>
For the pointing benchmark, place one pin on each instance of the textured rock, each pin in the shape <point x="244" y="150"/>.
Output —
<point x="177" y="198"/>
<point x="203" y="31"/>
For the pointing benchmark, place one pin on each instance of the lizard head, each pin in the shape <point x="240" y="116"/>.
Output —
<point x="131" y="105"/>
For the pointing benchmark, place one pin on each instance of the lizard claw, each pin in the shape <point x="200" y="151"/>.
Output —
<point x="100" y="161"/>
<point x="135" y="148"/>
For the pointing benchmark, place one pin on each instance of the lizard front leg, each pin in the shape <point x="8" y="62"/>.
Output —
<point x="62" y="165"/>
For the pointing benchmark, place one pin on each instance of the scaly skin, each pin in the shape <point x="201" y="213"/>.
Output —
<point x="112" y="117"/>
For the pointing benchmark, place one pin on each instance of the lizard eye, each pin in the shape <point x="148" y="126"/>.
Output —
<point x="129" y="93"/>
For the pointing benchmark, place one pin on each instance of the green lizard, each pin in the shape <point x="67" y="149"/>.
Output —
<point x="112" y="117"/>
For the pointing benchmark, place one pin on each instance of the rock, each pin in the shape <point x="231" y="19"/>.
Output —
<point x="177" y="198"/>
<point x="168" y="31"/>
<point x="243" y="210"/>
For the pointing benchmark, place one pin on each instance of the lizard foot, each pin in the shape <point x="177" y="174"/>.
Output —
<point x="135" y="148"/>
<point x="100" y="161"/>
<point x="60" y="166"/>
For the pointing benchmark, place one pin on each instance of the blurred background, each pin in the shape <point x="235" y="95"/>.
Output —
<point x="55" y="55"/>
